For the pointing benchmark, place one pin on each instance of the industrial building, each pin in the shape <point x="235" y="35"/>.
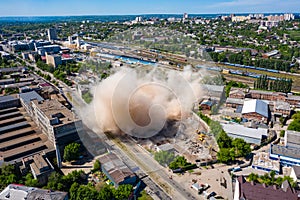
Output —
<point x="117" y="172"/>
<point x="287" y="156"/>
<point x="256" y="110"/>
<point x="292" y="139"/>
<point x="19" y="192"/>
<point x="56" y="121"/>
<point x="40" y="167"/>
<point x="19" y="137"/>
<point x="27" y="97"/>
<point x="216" y="92"/>
<point x="8" y="102"/>
<point x="250" y="135"/>
<point x="262" y="161"/>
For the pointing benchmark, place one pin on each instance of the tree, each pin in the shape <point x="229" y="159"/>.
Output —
<point x="164" y="157"/>
<point x="241" y="148"/>
<point x="225" y="155"/>
<point x="30" y="181"/>
<point x="97" y="166"/>
<point x="224" y="141"/>
<point x="294" y="125"/>
<point x="71" y="151"/>
<point x="178" y="162"/>
<point x="86" y="192"/>
<point x="73" y="191"/>
<point x="253" y="177"/>
<point x="106" y="193"/>
<point x="54" y="181"/>
<point x="123" y="192"/>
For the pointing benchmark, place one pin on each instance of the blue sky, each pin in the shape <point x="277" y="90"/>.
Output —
<point x="109" y="7"/>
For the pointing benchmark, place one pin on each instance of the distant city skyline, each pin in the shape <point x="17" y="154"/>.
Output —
<point x="123" y="7"/>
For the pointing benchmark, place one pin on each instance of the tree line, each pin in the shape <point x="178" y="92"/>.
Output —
<point x="278" y="85"/>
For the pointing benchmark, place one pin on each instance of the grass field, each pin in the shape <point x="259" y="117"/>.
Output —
<point x="295" y="35"/>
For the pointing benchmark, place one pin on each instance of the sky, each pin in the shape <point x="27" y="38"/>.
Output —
<point x="121" y="7"/>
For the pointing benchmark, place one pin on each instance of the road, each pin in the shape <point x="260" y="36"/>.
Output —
<point x="156" y="172"/>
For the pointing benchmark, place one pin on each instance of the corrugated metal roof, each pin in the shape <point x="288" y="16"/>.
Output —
<point x="292" y="138"/>
<point x="29" y="96"/>
<point x="256" y="106"/>
<point x="240" y="130"/>
<point x="6" y="98"/>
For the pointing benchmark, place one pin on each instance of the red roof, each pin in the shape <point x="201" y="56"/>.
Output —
<point x="65" y="55"/>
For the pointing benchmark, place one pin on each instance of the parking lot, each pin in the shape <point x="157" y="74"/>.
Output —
<point x="213" y="176"/>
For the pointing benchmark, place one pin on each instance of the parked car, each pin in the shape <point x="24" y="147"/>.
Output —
<point x="212" y="194"/>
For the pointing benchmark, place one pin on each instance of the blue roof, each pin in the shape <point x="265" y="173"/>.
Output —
<point x="29" y="96"/>
<point x="6" y="98"/>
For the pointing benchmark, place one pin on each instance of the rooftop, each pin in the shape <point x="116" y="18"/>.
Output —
<point x="14" y="191"/>
<point x="241" y="130"/>
<point x="29" y="96"/>
<point x="292" y="138"/>
<point x="261" y="159"/>
<point x="297" y="171"/>
<point x="281" y="105"/>
<point x="235" y="101"/>
<point x="291" y="152"/>
<point x="115" y="167"/>
<point x="256" y="106"/>
<point x="4" y="99"/>
<point x="53" y="109"/>
<point x="259" y="191"/>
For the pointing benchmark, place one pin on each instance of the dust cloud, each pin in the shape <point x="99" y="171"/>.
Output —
<point x="139" y="102"/>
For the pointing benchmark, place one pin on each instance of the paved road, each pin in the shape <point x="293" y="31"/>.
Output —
<point x="156" y="191"/>
<point x="159" y="174"/>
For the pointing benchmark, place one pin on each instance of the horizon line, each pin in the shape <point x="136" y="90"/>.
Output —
<point x="82" y="15"/>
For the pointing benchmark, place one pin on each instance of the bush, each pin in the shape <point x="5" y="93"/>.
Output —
<point x="71" y="151"/>
<point x="282" y="133"/>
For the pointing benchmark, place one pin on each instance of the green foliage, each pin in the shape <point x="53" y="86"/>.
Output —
<point x="231" y="84"/>
<point x="71" y="151"/>
<point x="226" y="155"/>
<point x="122" y="192"/>
<point x="278" y="85"/>
<point x="240" y="147"/>
<point x="223" y="140"/>
<point x="206" y="119"/>
<point x="215" y="128"/>
<point x="164" y="157"/>
<point x="230" y="149"/>
<point x="97" y="166"/>
<point x="144" y="196"/>
<point x="7" y="176"/>
<point x="106" y="193"/>
<point x="180" y="162"/>
<point x="282" y="133"/>
<point x="86" y="192"/>
<point x="270" y="179"/>
<point x="253" y="177"/>
<point x="30" y="181"/>
<point x="295" y="124"/>
<point x="87" y="97"/>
